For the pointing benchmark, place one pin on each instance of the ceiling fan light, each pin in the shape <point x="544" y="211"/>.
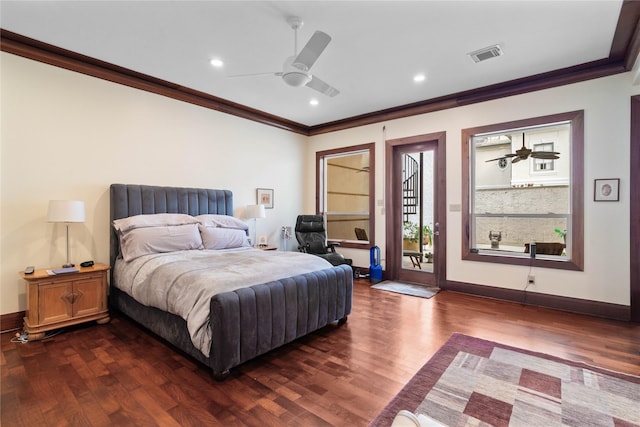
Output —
<point x="296" y="78"/>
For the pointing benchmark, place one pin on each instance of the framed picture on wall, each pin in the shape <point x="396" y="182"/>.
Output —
<point x="264" y="196"/>
<point x="606" y="190"/>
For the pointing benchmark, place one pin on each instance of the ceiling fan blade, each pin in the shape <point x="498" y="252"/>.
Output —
<point x="553" y="153"/>
<point x="316" y="84"/>
<point x="493" y="160"/>
<point x="506" y="156"/>
<point x="545" y="155"/>
<point x="516" y="159"/>
<point x="272" y="73"/>
<point x="312" y="50"/>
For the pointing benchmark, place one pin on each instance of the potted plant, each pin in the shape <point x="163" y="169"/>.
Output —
<point x="410" y="236"/>
<point x="429" y="257"/>
<point x="562" y="234"/>
<point x="427" y="235"/>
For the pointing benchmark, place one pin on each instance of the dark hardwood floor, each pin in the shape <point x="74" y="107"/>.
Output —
<point x="119" y="374"/>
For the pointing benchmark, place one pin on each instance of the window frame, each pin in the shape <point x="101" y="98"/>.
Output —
<point x="576" y="259"/>
<point x="320" y="158"/>
<point x="537" y="162"/>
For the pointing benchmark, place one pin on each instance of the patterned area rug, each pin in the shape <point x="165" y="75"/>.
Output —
<point x="407" y="289"/>
<point x="473" y="382"/>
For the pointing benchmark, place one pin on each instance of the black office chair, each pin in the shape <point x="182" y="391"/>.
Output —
<point x="312" y="239"/>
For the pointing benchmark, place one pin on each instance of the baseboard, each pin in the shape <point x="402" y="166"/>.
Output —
<point x="573" y="305"/>
<point x="11" y="322"/>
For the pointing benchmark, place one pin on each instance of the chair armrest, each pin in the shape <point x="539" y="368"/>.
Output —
<point x="332" y="246"/>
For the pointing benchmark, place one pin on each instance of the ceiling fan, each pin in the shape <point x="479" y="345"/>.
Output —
<point x="524" y="153"/>
<point x="295" y="70"/>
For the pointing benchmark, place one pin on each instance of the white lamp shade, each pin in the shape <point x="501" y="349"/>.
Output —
<point x="65" y="211"/>
<point x="256" y="211"/>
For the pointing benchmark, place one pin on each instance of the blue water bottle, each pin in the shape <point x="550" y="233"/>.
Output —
<point x="375" y="269"/>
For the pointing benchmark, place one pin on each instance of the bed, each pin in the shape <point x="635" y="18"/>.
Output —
<point x="240" y="321"/>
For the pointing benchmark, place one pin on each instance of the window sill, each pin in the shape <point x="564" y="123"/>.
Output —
<point x="544" y="261"/>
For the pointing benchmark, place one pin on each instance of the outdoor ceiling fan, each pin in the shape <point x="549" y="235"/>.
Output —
<point x="524" y="153"/>
<point x="295" y="70"/>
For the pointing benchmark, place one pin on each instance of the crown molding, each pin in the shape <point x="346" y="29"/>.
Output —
<point x="43" y="52"/>
<point x="625" y="48"/>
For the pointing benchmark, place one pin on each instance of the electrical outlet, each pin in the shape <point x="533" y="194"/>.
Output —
<point x="531" y="279"/>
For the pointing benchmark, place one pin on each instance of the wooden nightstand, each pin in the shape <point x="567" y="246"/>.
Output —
<point x="266" y="248"/>
<point x="63" y="300"/>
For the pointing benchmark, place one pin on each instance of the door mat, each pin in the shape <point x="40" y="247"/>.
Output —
<point x="407" y="289"/>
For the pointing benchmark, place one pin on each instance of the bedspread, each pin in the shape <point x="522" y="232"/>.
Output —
<point x="183" y="282"/>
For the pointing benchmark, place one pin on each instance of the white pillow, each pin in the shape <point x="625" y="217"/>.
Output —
<point x="222" y="221"/>
<point x="223" y="238"/>
<point x="153" y="220"/>
<point x="151" y="240"/>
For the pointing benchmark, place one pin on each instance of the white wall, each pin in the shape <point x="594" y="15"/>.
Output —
<point x="65" y="135"/>
<point x="606" y="103"/>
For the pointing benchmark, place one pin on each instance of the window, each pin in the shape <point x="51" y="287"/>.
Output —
<point x="523" y="184"/>
<point x="543" y="165"/>
<point x="345" y="188"/>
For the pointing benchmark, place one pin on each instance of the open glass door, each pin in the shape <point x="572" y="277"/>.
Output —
<point x="417" y="210"/>
<point x="418" y="219"/>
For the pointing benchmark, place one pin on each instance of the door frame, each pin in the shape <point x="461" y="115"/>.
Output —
<point x="393" y="206"/>
<point x="634" y="195"/>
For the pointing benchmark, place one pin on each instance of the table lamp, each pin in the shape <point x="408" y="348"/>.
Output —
<point x="254" y="212"/>
<point x="66" y="211"/>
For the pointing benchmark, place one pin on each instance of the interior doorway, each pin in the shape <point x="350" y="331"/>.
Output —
<point x="416" y="213"/>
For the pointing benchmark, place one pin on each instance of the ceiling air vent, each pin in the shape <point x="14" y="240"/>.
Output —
<point x="486" y="53"/>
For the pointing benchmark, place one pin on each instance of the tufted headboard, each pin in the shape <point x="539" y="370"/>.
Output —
<point x="128" y="200"/>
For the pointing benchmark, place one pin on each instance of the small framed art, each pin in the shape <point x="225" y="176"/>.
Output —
<point x="264" y="196"/>
<point x="606" y="190"/>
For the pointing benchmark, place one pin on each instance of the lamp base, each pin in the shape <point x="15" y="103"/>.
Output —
<point x="68" y="265"/>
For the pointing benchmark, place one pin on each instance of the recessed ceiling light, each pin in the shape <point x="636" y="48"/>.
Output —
<point x="418" y="78"/>
<point x="216" y="62"/>
<point x="314" y="102"/>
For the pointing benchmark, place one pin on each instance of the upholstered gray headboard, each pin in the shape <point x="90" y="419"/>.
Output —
<point x="128" y="200"/>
